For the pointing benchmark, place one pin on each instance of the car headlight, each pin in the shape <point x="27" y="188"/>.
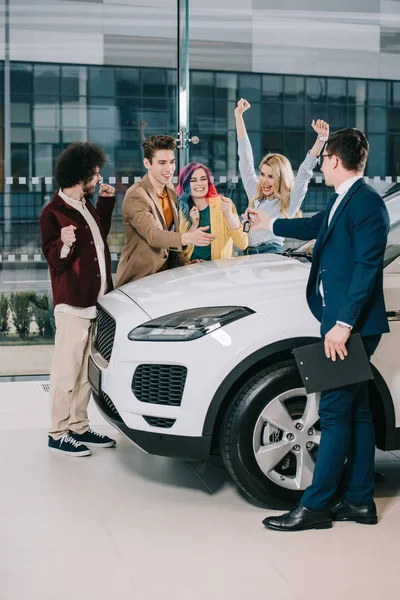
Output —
<point x="188" y="325"/>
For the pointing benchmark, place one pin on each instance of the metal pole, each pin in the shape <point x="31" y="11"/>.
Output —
<point x="7" y="131"/>
<point x="183" y="81"/>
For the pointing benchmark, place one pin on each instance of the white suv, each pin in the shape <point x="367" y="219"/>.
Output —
<point x="201" y="356"/>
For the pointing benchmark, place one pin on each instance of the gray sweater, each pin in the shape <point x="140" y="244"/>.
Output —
<point x="271" y="207"/>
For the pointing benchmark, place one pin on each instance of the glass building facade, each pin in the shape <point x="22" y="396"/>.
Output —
<point x="117" y="107"/>
<point x="124" y="81"/>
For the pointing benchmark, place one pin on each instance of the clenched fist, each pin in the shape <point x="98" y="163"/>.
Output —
<point x="242" y="106"/>
<point x="68" y="235"/>
<point x="107" y="190"/>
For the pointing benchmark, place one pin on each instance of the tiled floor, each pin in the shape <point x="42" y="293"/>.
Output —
<point x="123" y="525"/>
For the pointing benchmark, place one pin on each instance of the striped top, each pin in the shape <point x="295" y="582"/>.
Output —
<point x="271" y="207"/>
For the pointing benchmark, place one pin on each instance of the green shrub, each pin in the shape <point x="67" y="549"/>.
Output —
<point x="22" y="312"/>
<point x="42" y="311"/>
<point x="4" y="315"/>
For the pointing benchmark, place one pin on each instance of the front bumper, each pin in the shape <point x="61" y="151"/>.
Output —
<point x="174" y="446"/>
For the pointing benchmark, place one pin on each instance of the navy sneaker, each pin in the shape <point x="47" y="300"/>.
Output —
<point x="68" y="445"/>
<point x="92" y="438"/>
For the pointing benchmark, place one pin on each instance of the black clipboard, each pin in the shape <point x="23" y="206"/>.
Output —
<point x="320" y="373"/>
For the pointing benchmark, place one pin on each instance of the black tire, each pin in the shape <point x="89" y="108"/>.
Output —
<point x="236" y="441"/>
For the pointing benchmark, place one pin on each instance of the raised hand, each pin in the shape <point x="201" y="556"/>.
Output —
<point x="68" y="235"/>
<point x="320" y="127"/>
<point x="242" y="106"/>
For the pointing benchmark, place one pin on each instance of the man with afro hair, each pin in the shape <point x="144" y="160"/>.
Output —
<point x="74" y="242"/>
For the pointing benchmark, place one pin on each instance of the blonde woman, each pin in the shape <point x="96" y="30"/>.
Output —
<point x="276" y="192"/>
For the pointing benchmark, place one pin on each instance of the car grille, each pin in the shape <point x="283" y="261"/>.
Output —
<point x="107" y="405"/>
<point x="105" y="333"/>
<point x="159" y="422"/>
<point x="159" y="384"/>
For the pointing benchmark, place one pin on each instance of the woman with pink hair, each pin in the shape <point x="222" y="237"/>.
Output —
<point x="200" y="205"/>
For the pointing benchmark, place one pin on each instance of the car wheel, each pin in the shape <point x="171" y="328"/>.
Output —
<point x="270" y="436"/>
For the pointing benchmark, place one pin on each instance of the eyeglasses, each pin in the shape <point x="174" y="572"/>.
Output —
<point x="321" y="157"/>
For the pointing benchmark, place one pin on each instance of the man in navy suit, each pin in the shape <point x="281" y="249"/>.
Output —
<point x="345" y="293"/>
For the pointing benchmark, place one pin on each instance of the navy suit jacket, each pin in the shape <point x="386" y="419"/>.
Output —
<point x="348" y="259"/>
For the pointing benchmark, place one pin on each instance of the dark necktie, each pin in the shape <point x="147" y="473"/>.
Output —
<point x="329" y="206"/>
<point x="331" y="202"/>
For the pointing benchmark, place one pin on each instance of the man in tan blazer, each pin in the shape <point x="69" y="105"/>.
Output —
<point x="150" y="218"/>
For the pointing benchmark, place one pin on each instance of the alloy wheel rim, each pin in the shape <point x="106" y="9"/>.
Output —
<point x="285" y="447"/>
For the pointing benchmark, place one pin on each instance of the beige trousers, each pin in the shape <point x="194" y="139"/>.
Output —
<point x="69" y="385"/>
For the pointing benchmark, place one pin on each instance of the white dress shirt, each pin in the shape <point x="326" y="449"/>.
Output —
<point x="80" y="205"/>
<point x="342" y="190"/>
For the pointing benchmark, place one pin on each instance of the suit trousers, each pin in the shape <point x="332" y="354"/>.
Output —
<point x="69" y="385"/>
<point x="347" y="443"/>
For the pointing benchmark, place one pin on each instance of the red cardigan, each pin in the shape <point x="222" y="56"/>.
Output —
<point x="75" y="280"/>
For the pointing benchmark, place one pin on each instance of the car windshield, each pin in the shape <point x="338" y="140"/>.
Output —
<point x="392" y="200"/>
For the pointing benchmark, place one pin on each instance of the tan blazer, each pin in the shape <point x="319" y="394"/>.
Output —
<point x="148" y="243"/>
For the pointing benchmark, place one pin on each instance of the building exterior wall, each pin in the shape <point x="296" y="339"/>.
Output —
<point x="360" y="38"/>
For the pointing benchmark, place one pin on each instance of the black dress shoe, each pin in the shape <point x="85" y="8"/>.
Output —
<point x="300" y="519"/>
<point x="344" y="511"/>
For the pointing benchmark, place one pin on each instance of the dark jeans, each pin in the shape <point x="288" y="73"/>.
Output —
<point x="265" y="248"/>
<point x="347" y="432"/>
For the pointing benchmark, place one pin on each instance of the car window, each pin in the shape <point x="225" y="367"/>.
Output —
<point x="393" y="246"/>
<point x="392" y="201"/>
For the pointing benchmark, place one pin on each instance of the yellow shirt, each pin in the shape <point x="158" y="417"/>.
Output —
<point x="222" y="246"/>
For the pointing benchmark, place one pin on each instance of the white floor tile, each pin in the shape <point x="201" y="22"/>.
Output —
<point x="81" y="570"/>
<point x="123" y="525"/>
<point x="81" y="528"/>
<point x="66" y="595"/>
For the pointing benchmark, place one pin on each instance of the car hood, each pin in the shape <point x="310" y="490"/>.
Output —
<point x="261" y="282"/>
